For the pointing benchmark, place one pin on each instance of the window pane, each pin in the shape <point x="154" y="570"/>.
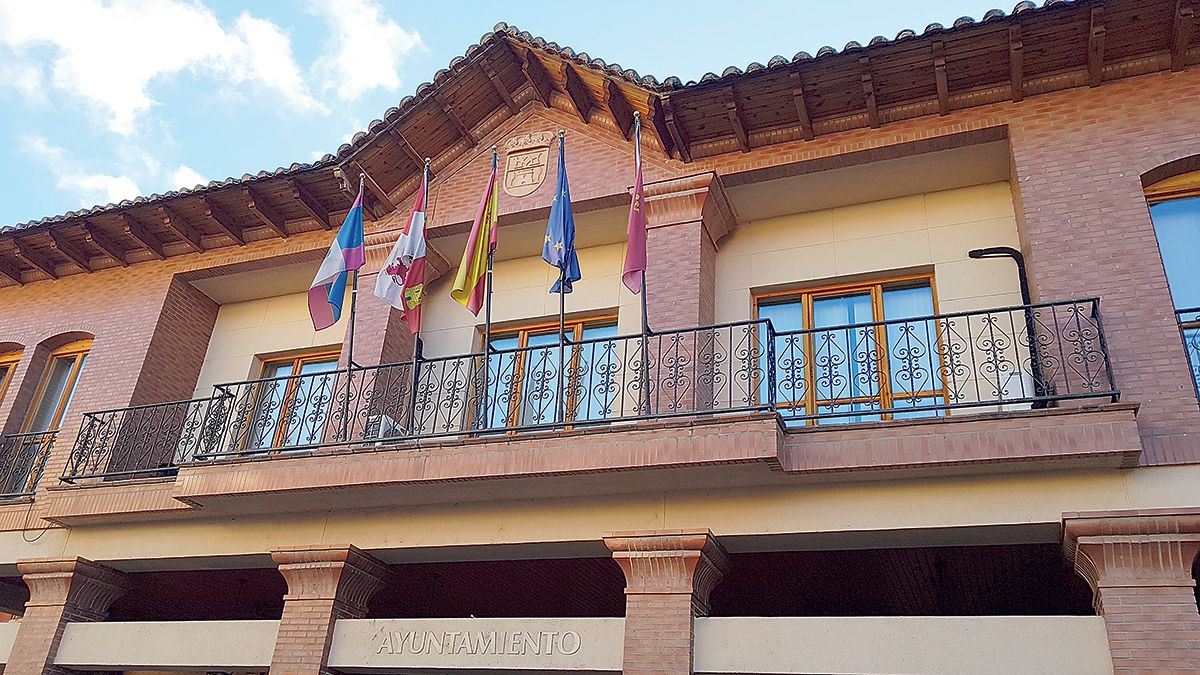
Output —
<point x="1177" y="225"/>
<point x="501" y="381"/>
<point x="791" y="358"/>
<point x="845" y="358"/>
<point x="595" y="379"/>
<point x="4" y="370"/>
<point x="539" y="386"/>
<point x="58" y="387"/>
<point x="312" y="392"/>
<point x="270" y="396"/>
<point x="913" y="361"/>
<point x="1191" y="341"/>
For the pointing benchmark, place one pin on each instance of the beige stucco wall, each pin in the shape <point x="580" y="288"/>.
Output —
<point x="754" y="506"/>
<point x="246" y="330"/>
<point x="952" y="645"/>
<point x="521" y="295"/>
<point x="190" y="645"/>
<point x="927" y="231"/>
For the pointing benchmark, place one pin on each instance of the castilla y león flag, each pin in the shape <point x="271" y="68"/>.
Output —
<point x="401" y="282"/>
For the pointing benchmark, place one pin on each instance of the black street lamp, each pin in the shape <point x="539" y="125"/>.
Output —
<point x="1035" y="361"/>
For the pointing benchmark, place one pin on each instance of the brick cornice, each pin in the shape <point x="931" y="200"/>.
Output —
<point x="697" y="198"/>
<point x="87" y="588"/>
<point x="341" y="573"/>
<point x="670" y="562"/>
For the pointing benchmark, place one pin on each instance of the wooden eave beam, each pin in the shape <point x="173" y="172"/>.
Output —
<point x="678" y="136"/>
<point x="537" y="76"/>
<point x="455" y="120"/>
<point x="70" y="250"/>
<point x="375" y="188"/>
<point x="26" y="253"/>
<point x="619" y="107"/>
<point x="1185" y="22"/>
<point x="177" y="225"/>
<point x="1016" y="62"/>
<point x="224" y="222"/>
<point x="9" y="270"/>
<point x="142" y="236"/>
<point x="939" y="74"/>
<point x="407" y="147"/>
<point x="735" y="119"/>
<point x="806" y="126"/>
<point x="489" y="72"/>
<point x="264" y="212"/>
<point x="658" y="124"/>
<point x="96" y="237"/>
<point x="309" y="203"/>
<point x="1096" y="47"/>
<point x="868" y="87"/>
<point x="578" y="92"/>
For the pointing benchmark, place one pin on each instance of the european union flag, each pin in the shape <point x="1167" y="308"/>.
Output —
<point x="559" y="248"/>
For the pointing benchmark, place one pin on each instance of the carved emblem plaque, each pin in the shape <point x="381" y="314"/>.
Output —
<point x="527" y="157"/>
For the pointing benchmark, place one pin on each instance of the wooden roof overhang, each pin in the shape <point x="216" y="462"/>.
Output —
<point x="999" y="58"/>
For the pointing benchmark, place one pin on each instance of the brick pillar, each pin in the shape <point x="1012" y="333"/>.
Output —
<point x="668" y="577"/>
<point x="60" y="591"/>
<point x="325" y="583"/>
<point x="1139" y="565"/>
<point x="686" y="217"/>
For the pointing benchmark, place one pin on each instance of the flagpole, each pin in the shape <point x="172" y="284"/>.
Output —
<point x="645" y="374"/>
<point x="487" y="309"/>
<point x="562" y="307"/>
<point x="416" y="352"/>
<point x="362" y="179"/>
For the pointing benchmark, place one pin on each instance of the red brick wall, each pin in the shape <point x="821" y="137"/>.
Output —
<point x="176" y="351"/>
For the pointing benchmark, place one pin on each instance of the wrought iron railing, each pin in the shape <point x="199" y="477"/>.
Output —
<point x="22" y="458"/>
<point x="1026" y="356"/>
<point x="1189" y="330"/>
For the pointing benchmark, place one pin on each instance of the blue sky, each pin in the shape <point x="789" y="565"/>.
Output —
<point x="106" y="99"/>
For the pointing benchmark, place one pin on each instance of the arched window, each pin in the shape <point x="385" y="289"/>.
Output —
<point x="57" y="387"/>
<point x="1175" y="209"/>
<point x="9" y="358"/>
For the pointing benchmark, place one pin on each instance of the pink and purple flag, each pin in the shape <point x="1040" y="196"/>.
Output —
<point x="635" y="252"/>
<point x="346" y="254"/>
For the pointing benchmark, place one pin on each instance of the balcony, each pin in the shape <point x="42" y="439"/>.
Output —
<point x="953" y="366"/>
<point x="22" y="458"/>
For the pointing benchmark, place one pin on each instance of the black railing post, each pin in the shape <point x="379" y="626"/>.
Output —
<point x="771" y="375"/>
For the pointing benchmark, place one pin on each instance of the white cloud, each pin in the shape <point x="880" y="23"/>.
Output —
<point x="365" y="48"/>
<point x="108" y="53"/>
<point x="88" y="188"/>
<point x="186" y="177"/>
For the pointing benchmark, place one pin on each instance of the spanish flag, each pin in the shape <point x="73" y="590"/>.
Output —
<point x="469" y="282"/>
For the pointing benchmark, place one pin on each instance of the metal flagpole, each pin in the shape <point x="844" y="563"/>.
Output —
<point x="416" y="353"/>
<point x="362" y="179"/>
<point x="562" y="308"/>
<point x="487" y="307"/>
<point x="637" y="154"/>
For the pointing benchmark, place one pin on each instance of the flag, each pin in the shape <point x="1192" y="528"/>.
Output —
<point x="635" y="250"/>
<point x="469" y="282"/>
<point x="346" y="254"/>
<point x="559" y="247"/>
<point x="401" y="282"/>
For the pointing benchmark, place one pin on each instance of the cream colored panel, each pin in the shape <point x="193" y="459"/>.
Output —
<point x="953" y="645"/>
<point x="203" y="645"/>
<point x="436" y="645"/>
<point x="245" y="330"/>
<point x="8" y="634"/>
<point x="923" y="231"/>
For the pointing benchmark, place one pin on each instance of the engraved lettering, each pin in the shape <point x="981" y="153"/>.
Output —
<point x="572" y="647"/>
<point x="515" y="644"/>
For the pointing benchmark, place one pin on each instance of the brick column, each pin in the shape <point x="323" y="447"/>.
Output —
<point x="1139" y="565"/>
<point x="686" y="217"/>
<point x="668" y="577"/>
<point x="60" y="591"/>
<point x="325" y="583"/>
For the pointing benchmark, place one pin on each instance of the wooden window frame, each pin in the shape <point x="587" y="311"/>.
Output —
<point x="9" y="361"/>
<point x="572" y="329"/>
<point x="876" y="288"/>
<point x="78" y="350"/>
<point x="296" y="360"/>
<point x="1183" y="186"/>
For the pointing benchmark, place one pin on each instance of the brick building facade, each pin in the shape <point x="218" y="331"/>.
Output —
<point x="847" y="445"/>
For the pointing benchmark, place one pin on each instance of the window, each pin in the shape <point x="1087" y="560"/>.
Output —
<point x="8" y="365"/>
<point x="526" y="380"/>
<point x="292" y="400"/>
<point x="1175" y="211"/>
<point x="57" y="387"/>
<point x="848" y="354"/>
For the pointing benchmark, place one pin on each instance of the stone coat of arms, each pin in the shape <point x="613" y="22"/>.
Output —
<point x="527" y="157"/>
